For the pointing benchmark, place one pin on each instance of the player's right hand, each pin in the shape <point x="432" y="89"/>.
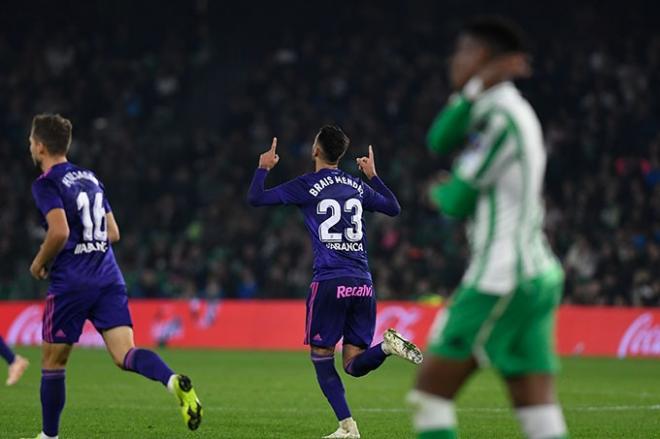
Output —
<point x="38" y="271"/>
<point x="367" y="164"/>
<point x="269" y="159"/>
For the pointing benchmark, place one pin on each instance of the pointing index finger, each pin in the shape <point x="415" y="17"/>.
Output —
<point x="273" y="145"/>
<point x="371" y="152"/>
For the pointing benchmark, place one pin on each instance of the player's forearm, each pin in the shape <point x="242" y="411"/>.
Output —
<point x="450" y="127"/>
<point x="388" y="204"/>
<point x="53" y="244"/>
<point x="257" y="195"/>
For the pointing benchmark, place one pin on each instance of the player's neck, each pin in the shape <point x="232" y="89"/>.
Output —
<point x="323" y="165"/>
<point x="49" y="161"/>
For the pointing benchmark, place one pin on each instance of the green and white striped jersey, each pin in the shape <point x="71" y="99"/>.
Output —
<point x="504" y="163"/>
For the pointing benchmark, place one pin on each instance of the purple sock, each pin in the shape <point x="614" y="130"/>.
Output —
<point x="148" y="364"/>
<point x="367" y="361"/>
<point x="331" y="385"/>
<point x="6" y="352"/>
<point x="53" y="395"/>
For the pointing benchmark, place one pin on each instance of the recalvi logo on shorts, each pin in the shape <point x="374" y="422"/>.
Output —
<point x="359" y="291"/>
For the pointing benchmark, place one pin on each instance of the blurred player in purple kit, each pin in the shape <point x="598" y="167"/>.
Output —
<point x="342" y="300"/>
<point x="85" y="280"/>
<point x="16" y="363"/>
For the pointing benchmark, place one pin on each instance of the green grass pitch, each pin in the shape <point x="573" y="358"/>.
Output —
<point x="274" y="395"/>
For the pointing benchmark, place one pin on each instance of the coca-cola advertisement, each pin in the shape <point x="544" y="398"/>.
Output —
<point x="280" y="325"/>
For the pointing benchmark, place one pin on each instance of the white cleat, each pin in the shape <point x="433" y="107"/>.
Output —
<point x="347" y="430"/>
<point x="16" y="370"/>
<point x="396" y="344"/>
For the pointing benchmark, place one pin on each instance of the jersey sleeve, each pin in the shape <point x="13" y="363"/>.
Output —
<point x="46" y="196"/>
<point x="106" y="203"/>
<point x="491" y="150"/>
<point x="292" y="192"/>
<point x="380" y="198"/>
<point x="449" y="129"/>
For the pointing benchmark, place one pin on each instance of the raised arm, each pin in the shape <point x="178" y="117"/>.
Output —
<point x="287" y="193"/>
<point x="257" y="195"/>
<point x="450" y="127"/>
<point x="377" y="196"/>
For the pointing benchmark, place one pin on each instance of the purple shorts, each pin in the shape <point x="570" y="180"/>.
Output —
<point x="341" y="307"/>
<point x="65" y="313"/>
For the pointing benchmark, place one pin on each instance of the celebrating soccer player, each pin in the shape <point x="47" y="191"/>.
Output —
<point x="503" y="313"/>
<point x="85" y="280"/>
<point x="17" y="364"/>
<point x="342" y="300"/>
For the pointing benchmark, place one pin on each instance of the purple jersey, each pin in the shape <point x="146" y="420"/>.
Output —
<point x="332" y="202"/>
<point x="87" y="260"/>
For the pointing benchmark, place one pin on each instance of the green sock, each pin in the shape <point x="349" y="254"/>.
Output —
<point x="445" y="433"/>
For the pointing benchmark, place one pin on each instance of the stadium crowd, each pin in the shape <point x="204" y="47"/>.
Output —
<point x="177" y="160"/>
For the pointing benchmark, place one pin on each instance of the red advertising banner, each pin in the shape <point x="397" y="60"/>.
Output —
<point x="279" y="325"/>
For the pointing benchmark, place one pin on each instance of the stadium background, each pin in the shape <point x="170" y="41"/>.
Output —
<point x="173" y="101"/>
<point x="172" y="104"/>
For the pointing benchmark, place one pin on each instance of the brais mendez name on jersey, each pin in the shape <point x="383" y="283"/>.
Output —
<point x="324" y="182"/>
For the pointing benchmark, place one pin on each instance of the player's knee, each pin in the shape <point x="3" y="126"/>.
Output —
<point x="321" y="352"/>
<point x="349" y="370"/>
<point x="54" y="360"/>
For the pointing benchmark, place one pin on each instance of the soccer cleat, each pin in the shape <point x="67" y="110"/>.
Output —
<point x="191" y="408"/>
<point x="395" y="343"/>
<point x="347" y="430"/>
<point x="16" y="370"/>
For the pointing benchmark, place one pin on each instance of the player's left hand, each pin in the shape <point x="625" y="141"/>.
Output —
<point x="269" y="159"/>
<point x="367" y="164"/>
<point x="38" y="271"/>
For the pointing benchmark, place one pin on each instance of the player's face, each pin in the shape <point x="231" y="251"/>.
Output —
<point x="316" y="149"/>
<point x="35" y="151"/>
<point x="469" y="56"/>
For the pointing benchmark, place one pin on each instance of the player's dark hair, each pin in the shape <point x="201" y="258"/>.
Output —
<point x="499" y="33"/>
<point x="54" y="131"/>
<point x="334" y="142"/>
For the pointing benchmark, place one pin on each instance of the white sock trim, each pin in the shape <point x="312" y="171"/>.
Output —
<point x="45" y="436"/>
<point x="431" y="412"/>
<point x="541" y="421"/>
<point x="170" y="383"/>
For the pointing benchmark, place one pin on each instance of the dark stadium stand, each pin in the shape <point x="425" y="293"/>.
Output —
<point x="172" y="108"/>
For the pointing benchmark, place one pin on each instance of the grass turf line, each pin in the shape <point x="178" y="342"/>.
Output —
<point x="255" y="395"/>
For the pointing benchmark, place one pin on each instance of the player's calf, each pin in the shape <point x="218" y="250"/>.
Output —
<point x="330" y="382"/>
<point x="148" y="364"/>
<point x="542" y="422"/>
<point x="435" y="417"/>
<point x="360" y="364"/>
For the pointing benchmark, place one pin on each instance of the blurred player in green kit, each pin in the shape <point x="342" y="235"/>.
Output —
<point x="503" y="312"/>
